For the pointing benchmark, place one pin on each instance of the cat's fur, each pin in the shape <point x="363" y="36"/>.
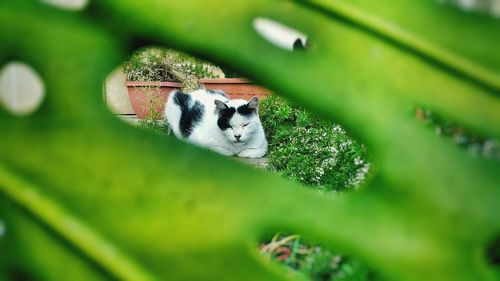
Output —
<point x="210" y="119"/>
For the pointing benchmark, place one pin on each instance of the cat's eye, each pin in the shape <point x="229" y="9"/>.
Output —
<point x="246" y="124"/>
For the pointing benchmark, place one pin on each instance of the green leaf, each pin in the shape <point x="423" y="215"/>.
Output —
<point x="92" y="195"/>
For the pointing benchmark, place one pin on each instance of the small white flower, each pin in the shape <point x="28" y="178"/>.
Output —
<point x="358" y="160"/>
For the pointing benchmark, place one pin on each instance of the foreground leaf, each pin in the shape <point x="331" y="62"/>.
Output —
<point x="83" y="183"/>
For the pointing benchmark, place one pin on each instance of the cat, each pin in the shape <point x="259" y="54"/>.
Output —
<point x="210" y="119"/>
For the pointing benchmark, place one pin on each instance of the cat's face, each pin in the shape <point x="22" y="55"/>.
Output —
<point x="238" y="119"/>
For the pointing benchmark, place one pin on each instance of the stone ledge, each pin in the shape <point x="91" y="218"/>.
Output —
<point x="256" y="162"/>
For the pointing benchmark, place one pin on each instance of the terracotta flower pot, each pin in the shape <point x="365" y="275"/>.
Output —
<point x="236" y="88"/>
<point x="145" y="96"/>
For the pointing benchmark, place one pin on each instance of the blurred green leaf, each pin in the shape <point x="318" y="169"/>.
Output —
<point x="90" y="198"/>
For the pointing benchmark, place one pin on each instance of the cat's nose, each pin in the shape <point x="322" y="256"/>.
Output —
<point x="237" y="137"/>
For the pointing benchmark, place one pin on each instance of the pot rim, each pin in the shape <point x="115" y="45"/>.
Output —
<point x="153" y="83"/>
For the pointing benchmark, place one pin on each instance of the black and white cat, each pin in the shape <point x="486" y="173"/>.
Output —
<point x="210" y="119"/>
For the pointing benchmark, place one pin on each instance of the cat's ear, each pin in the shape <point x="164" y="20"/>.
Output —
<point x="220" y="105"/>
<point x="253" y="103"/>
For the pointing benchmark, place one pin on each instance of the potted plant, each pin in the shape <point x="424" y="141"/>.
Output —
<point x="153" y="73"/>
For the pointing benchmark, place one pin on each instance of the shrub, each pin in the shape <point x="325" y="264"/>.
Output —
<point x="304" y="148"/>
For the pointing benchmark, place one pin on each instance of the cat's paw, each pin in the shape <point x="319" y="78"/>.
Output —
<point x="252" y="153"/>
<point x="222" y="151"/>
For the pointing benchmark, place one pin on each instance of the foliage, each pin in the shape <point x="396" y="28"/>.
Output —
<point x="161" y="64"/>
<point x="108" y="201"/>
<point x="310" y="150"/>
<point x="147" y="65"/>
<point x="471" y="141"/>
<point x="159" y="126"/>
<point x="313" y="261"/>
